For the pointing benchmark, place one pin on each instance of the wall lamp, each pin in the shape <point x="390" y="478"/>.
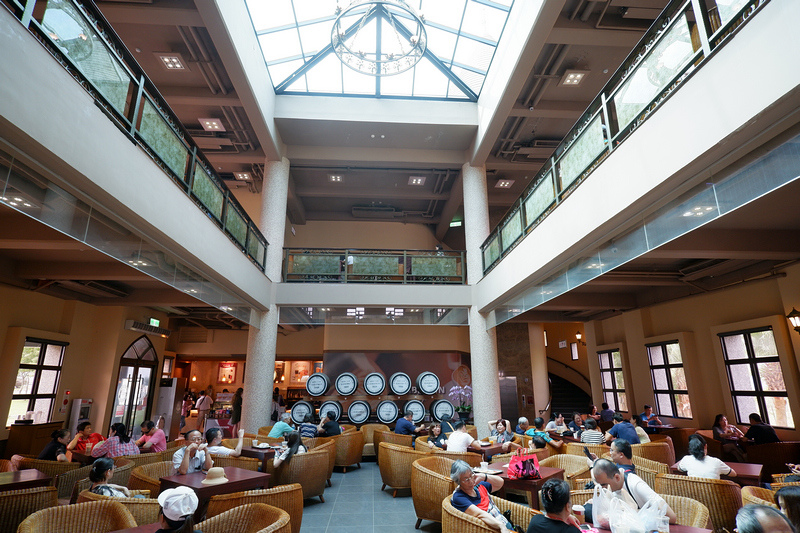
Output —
<point x="794" y="319"/>
<point x="579" y="336"/>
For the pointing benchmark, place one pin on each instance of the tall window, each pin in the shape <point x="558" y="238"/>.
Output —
<point x="755" y="376"/>
<point x="37" y="379"/>
<point x="669" y="380"/>
<point x="613" y="381"/>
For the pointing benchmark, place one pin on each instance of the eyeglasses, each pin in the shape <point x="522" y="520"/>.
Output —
<point x="196" y="439"/>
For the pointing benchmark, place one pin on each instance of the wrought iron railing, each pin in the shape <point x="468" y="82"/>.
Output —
<point x="341" y="265"/>
<point x="83" y="42"/>
<point x="677" y="44"/>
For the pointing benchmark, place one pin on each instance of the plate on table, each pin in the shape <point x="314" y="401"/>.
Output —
<point x="262" y="445"/>
<point x="487" y="471"/>
<point x="485" y="443"/>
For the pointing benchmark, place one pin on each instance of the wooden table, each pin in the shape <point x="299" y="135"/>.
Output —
<point x="82" y="458"/>
<point x="265" y="454"/>
<point x="23" y="479"/>
<point x="747" y="474"/>
<point x="673" y="528"/>
<point x="239" y="479"/>
<point x="530" y="485"/>
<point x="147" y="528"/>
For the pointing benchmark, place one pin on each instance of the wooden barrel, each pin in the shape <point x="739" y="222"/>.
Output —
<point x="358" y="412"/>
<point x="387" y="412"/>
<point x="300" y="410"/>
<point x="346" y="384"/>
<point x="375" y="384"/>
<point x="317" y="384"/>
<point x="400" y="383"/>
<point x="331" y="405"/>
<point x="428" y="383"/>
<point x="440" y="408"/>
<point x="416" y="407"/>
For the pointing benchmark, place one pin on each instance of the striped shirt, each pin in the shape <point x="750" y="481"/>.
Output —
<point x="592" y="436"/>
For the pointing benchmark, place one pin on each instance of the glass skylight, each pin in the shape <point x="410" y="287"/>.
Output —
<point x="295" y="38"/>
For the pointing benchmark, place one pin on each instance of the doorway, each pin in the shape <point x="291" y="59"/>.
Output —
<point x="135" y="383"/>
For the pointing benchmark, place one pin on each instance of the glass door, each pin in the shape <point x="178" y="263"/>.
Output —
<point x="133" y="400"/>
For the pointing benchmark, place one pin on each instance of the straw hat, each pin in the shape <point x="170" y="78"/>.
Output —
<point x="215" y="476"/>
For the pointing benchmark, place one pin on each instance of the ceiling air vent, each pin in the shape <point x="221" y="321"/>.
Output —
<point x="133" y="325"/>
<point x="376" y="211"/>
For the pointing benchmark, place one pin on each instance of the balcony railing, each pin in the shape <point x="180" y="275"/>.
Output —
<point x="305" y="265"/>
<point x="84" y="43"/>
<point x="679" y="42"/>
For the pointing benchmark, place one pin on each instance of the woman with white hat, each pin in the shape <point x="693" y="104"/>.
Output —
<point x="177" y="510"/>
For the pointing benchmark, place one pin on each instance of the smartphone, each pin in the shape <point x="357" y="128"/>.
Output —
<point x="585" y="527"/>
<point x="587" y="452"/>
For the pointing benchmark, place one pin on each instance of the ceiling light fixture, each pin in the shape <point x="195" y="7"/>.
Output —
<point x="242" y="176"/>
<point x="794" y="319"/>
<point x="171" y="61"/>
<point x="211" y="124"/>
<point x="572" y="78"/>
<point x="416" y="180"/>
<point x="504" y="184"/>
<point x="336" y="178"/>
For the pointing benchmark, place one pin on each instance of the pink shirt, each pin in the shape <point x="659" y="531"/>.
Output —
<point x="159" y="440"/>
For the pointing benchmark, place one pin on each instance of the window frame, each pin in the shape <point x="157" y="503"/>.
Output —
<point x="38" y="368"/>
<point x="751" y="361"/>
<point x="670" y="391"/>
<point x="615" y="390"/>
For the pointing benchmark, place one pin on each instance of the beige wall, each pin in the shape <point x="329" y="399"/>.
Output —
<point x="565" y="331"/>
<point x="358" y="234"/>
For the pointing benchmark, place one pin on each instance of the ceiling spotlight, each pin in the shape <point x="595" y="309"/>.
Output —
<point x="211" y="124"/>
<point x="416" y="180"/>
<point x="243" y="176"/>
<point x="503" y="184"/>
<point x="571" y="78"/>
<point x="172" y="61"/>
<point x="336" y="178"/>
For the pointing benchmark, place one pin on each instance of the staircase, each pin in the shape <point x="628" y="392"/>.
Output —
<point x="567" y="398"/>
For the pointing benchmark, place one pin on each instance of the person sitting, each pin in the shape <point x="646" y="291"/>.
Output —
<point x="759" y="432"/>
<point x="501" y="430"/>
<point x="557" y="516"/>
<point x="754" y="518"/>
<point x="102" y="471"/>
<point x="522" y="426"/>
<point x="622" y="429"/>
<point x="152" y="438"/>
<point x="307" y="428"/>
<point x="556" y="423"/>
<point x="788" y="499"/>
<point x="405" y="426"/>
<point x="294" y="445"/>
<point x="192" y="458"/>
<point x="728" y="435"/>
<point x="621" y="454"/>
<point x="606" y="415"/>
<point x="177" y="510"/>
<point x="436" y="437"/>
<point x="83" y="437"/>
<point x="637" y="425"/>
<point x="537" y="443"/>
<point x="447" y="424"/>
<point x="591" y="435"/>
<point x="328" y="426"/>
<point x="649" y="418"/>
<point x="575" y="425"/>
<point x="699" y="464"/>
<point x="472" y="494"/>
<point x="56" y="449"/>
<point x="214" y="441"/>
<point x="459" y="440"/>
<point x="594" y="413"/>
<point x="537" y="431"/>
<point x="282" y="427"/>
<point x="117" y="444"/>
<point x="628" y="487"/>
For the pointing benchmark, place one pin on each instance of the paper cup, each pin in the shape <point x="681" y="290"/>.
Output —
<point x="484" y="465"/>
<point x="579" y="512"/>
<point x="255" y="442"/>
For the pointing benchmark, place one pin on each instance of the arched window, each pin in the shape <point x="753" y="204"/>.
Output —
<point x="135" y="384"/>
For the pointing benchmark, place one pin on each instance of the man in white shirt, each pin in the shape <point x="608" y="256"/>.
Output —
<point x="192" y="458"/>
<point x="214" y="440"/>
<point x="459" y="440"/>
<point x="203" y="406"/>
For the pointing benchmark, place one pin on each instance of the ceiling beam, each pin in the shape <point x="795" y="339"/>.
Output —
<point x="150" y="15"/>
<point x="62" y="270"/>
<point x="177" y="96"/>
<point x="776" y="245"/>
<point x="581" y="34"/>
<point x="400" y="157"/>
<point x="550" y="109"/>
<point x="338" y="215"/>
<point x="352" y="192"/>
<point x="576" y="301"/>
<point x="42" y="244"/>
<point x="255" y="157"/>
<point x="503" y="164"/>
<point x="151" y="297"/>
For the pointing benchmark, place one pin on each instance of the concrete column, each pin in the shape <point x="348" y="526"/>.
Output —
<point x="539" y="378"/>
<point x="262" y="340"/>
<point x="483" y="343"/>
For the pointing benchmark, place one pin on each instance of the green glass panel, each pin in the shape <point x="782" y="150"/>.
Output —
<point x="674" y="353"/>
<point x="236" y="225"/>
<point x="654" y="73"/>
<point x="255" y="247"/>
<point x="207" y="191"/>
<point x="315" y="264"/>
<point x="80" y="42"/>
<point x="492" y="252"/>
<point x="581" y="153"/>
<point x="512" y="230"/>
<point x="162" y="140"/>
<point x="728" y="9"/>
<point x="30" y="353"/>
<point x="434" y="266"/>
<point x="375" y="265"/>
<point x="764" y="344"/>
<point x="540" y="199"/>
<point x="617" y="359"/>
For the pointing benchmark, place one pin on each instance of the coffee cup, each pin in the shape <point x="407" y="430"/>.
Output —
<point x="579" y="512"/>
<point x="484" y="465"/>
<point x="255" y="442"/>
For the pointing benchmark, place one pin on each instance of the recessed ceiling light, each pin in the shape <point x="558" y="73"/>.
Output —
<point x="503" y="184"/>
<point x="171" y="61"/>
<point x="244" y="176"/>
<point x="211" y="124"/>
<point x="416" y="180"/>
<point x="572" y="78"/>
<point x="336" y="178"/>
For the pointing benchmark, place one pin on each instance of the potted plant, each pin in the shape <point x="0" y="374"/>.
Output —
<point x="462" y="397"/>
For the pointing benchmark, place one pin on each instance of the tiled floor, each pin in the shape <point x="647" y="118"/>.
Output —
<point x="356" y="504"/>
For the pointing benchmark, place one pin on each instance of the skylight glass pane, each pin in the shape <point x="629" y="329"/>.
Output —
<point x="306" y="10"/>
<point x="455" y="92"/>
<point x="279" y="72"/>
<point x="299" y="86"/>
<point x="429" y="80"/>
<point x="444" y="13"/>
<point x="441" y="43"/>
<point x="356" y="83"/>
<point x="474" y="81"/>
<point x="399" y="84"/>
<point x="280" y="44"/>
<point x="315" y="37"/>
<point x="483" y="21"/>
<point x="326" y="77"/>
<point x="272" y="14"/>
<point x="473" y="54"/>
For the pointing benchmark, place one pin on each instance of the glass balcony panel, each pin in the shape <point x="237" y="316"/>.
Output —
<point x="622" y="249"/>
<point x="208" y="192"/>
<point x="688" y="212"/>
<point x="492" y="252"/>
<point x="255" y="248"/>
<point x="581" y="153"/>
<point x="583" y="270"/>
<point x="108" y="236"/>
<point x="235" y="224"/>
<point x="729" y="9"/>
<point x="434" y="266"/>
<point x="313" y="264"/>
<point x="376" y="265"/>
<point x="161" y="138"/>
<point x="512" y="230"/>
<point x="540" y="199"/>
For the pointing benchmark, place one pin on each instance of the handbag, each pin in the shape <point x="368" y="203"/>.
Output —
<point x="523" y="466"/>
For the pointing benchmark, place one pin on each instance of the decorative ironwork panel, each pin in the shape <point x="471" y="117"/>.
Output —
<point x="512" y="230"/>
<point x="434" y="266"/>
<point x="315" y="264"/>
<point x="376" y="266"/>
<point x="207" y="192"/>
<point x="582" y="152"/>
<point x="158" y="134"/>
<point x="236" y="224"/>
<point x="491" y="253"/>
<point x="542" y="197"/>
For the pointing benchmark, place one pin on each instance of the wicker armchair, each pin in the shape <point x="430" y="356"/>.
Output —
<point x="773" y="456"/>
<point x="541" y="454"/>
<point x="53" y="469"/>
<point x="430" y="484"/>
<point x="347" y="428"/>
<point x="144" y="510"/>
<point x="143" y="458"/>
<point x="309" y="469"/>
<point x="175" y="444"/>
<point x="576" y="471"/>
<point x="249" y="518"/>
<point x="396" y="465"/>
<point x="690" y="512"/>
<point x="454" y="521"/>
<point x="286" y="497"/>
<point x="575" y="448"/>
<point x="5" y="465"/>
<point x="122" y="474"/>
<point x="247" y="463"/>
<point x="471" y="458"/>
<point x="368" y="430"/>
<point x="328" y="445"/>
<point x="779" y="480"/>
<point x="16" y="505"/>
<point x="758" y="496"/>
<point x="680" y="439"/>
<point x="660" y="451"/>
<point x="146" y="477"/>
<point x="580" y="496"/>
<point x="264" y="430"/>
<point x="714" y="446"/>
<point x="246" y="442"/>
<point x="97" y="517"/>
<point x="66" y="481"/>
<point x="349" y="447"/>
<point x="390" y="437"/>
<point x="722" y="498"/>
